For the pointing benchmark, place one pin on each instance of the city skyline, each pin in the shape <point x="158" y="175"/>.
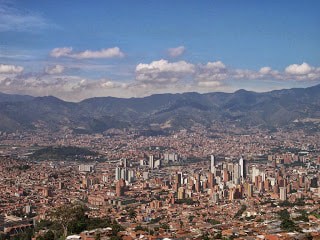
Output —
<point x="134" y="49"/>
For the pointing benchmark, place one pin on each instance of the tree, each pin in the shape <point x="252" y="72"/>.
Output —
<point x="181" y="224"/>
<point x="98" y="236"/>
<point x="165" y="226"/>
<point x="284" y="214"/>
<point x="287" y="224"/>
<point x="132" y="213"/>
<point x="240" y="211"/>
<point x="191" y="217"/>
<point x="65" y="215"/>
<point x="49" y="235"/>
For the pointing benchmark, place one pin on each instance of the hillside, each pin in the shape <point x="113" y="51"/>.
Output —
<point x="281" y="108"/>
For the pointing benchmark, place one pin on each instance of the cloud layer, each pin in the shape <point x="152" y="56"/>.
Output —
<point x="215" y="73"/>
<point x="163" y="71"/>
<point x="154" y="77"/>
<point x="114" y="52"/>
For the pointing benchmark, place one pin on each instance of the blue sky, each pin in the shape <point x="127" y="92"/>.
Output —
<point x="79" y="49"/>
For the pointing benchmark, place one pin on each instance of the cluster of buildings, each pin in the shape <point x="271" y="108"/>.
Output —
<point x="170" y="186"/>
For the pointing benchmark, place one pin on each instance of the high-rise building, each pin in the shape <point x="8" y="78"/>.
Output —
<point x="197" y="182"/>
<point x="170" y="157"/>
<point x="242" y="165"/>
<point x="120" y="188"/>
<point x="86" y="168"/>
<point x="215" y="197"/>
<point x="225" y="175"/>
<point x="105" y="178"/>
<point x="210" y="180"/>
<point x="231" y="194"/>
<point x="151" y="161"/>
<point x="236" y="174"/>
<point x="283" y="193"/>
<point x="212" y="164"/>
<point x="181" y="193"/>
<point x="118" y="173"/>
<point x="125" y="162"/>
<point x="157" y="163"/>
<point x="250" y="190"/>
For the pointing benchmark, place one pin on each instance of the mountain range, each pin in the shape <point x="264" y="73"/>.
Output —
<point x="275" y="109"/>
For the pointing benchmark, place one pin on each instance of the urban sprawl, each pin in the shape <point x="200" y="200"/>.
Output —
<point x="218" y="183"/>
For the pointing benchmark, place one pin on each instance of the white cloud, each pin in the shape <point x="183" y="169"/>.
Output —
<point x="245" y="74"/>
<point x="212" y="71"/>
<point x="9" y="69"/>
<point x="217" y="66"/>
<point x="163" y="71"/>
<point x="175" y="52"/>
<point x="104" y="53"/>
<point x="265" y="70"/>
<point x="210" y="84"/>
<point x="114" y="52"/>
<point x="61" y="52"/>
<point x="13" y="19"/>
<point x="297" y="69"/>
<point x="56" y="69"/>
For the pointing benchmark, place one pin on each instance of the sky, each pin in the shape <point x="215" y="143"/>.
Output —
<point x="80" y="49"/>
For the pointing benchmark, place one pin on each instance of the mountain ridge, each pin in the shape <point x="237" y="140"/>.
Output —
<point x="273" y="109"/>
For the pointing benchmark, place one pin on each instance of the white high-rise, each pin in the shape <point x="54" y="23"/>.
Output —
<point x="151" y="162"/>
<point x="118" y="173"/>
<point x="242" y="165"/>
<point x="283" y="193"/>
<point x="212" y="164"/>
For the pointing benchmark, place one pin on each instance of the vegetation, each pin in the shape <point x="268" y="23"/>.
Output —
<point x="187" y="201"/>
<point x="240" y="211"/>
<point x="132" y="213"/>
<point x="213" y="221"/>
<point x="165" y="226"/>
<point x="23" y="167"/>
<point x="49" y="235"/>
<point x="191" y="217"/>
<point x="286" y="223"/>
<point x="72" y="219"/>
<point x="26" y="235"/>
<point x="303" y="217"/>
<point x="145" y="229"/>
<point x="298" y="202"/>
<point x="316" y="214"/>
<point x="62" y="152"/>
<point x="155" y="220"/>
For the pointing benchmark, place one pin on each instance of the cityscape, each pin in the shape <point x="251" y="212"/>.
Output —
<point x="123" y="120"/>
<point x="183" y="186"/>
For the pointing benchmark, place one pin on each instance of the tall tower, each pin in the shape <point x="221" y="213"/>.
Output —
<point x="236" y="173"/>
<point x="212" y="164"/>
<point x="120" y="188"/>
<point x="197" y="182"/>
<point x="151" y="162"/>
<point x="125" y="162"/>
<point x="242" y="165"/>
<point x="283" y="193"/>
<point x="118" y="173"/>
